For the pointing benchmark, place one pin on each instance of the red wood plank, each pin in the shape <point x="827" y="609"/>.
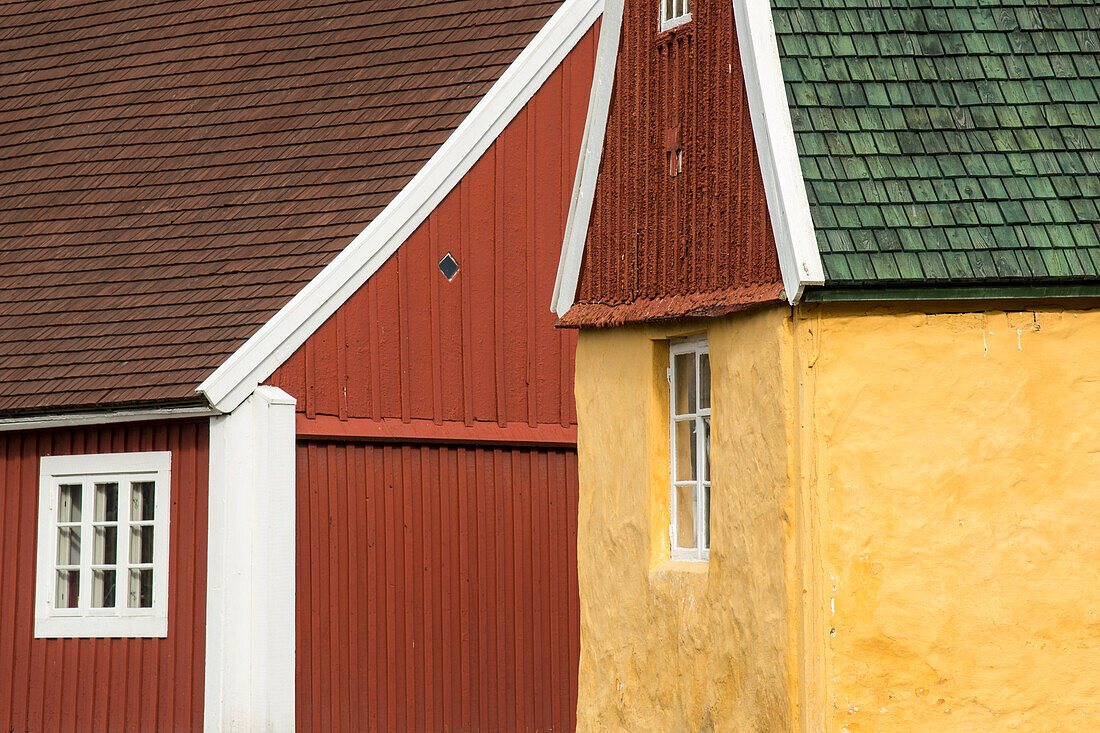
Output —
<point x="453" y="606"/>
<point x="101" y="684"/>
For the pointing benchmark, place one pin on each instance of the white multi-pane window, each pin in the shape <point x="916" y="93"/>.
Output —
<point x="689" y="433"/>
<point x="674" y="13"/>
<point x="103" y="545"/>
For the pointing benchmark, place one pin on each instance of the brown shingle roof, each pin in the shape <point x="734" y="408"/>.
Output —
<point x="172" y="174"/>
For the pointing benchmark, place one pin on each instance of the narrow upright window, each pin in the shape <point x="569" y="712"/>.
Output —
<point x="674" y="13"/>
<point x="689" y="435"/>
<point x="103" y="545"/>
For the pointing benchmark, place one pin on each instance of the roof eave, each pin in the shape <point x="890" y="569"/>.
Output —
<point x="288" y="329"/>
<point x="785" y="190"/>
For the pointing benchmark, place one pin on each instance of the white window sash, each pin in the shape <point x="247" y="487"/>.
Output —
<point x="696" y="346"/>
<point x="681" y="14"/>
<point x="84" y="621"/>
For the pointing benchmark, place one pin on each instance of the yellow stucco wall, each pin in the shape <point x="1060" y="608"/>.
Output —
<point x="957" y="491"/>
<point x="679" y="646"/>
<point x="905" y="526"/>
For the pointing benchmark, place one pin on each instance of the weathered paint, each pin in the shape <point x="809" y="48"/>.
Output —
<point x="906" y="525"/>
<point x="957" y="480"/>
<point x="698" y="242"/>
<point x="440" y="588"/>
<point x="685" y="646"/>
<point x="103" y="684"/>
<point x="437" y="487"/>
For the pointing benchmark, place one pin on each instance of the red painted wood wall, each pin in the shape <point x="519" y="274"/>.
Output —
<point x="103" y="684"/>
<point x="437" y="485"/>
<point x="698" y="242"/>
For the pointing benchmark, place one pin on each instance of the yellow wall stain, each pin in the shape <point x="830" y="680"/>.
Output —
<point x="905" y="526"/>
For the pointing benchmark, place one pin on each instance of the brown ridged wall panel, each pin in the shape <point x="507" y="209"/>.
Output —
<point x="700" y="241"/>
<point x="75" y="685"/>
<point x="442" y="588"/>
<point x="481" y="348"/>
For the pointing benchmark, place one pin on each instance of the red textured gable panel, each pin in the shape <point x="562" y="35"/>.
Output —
<point x="103" y="684"/>
<point x="411" y="345"/>
<point x="698" y="242"/>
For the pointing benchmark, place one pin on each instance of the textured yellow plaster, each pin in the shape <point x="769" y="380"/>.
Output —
<point x="905" y="526"/>
<point x="680" y="646"/>
<point x="957" y="487"/>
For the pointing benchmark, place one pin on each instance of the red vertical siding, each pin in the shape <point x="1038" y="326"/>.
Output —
<point x="699" y="242"/>
<point x="409" y="345"/>
<point x="447" y="583"/>
<point x="103" y="684"/>
<point x="437" y="583"/>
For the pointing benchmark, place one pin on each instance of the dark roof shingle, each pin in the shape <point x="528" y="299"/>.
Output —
<point x="171" y="174"/>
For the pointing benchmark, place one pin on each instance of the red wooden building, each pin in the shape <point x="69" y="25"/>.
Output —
<point x="286" y="430"/>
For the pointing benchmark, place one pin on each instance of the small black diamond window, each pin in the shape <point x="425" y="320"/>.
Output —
<point x="448" y="266"/>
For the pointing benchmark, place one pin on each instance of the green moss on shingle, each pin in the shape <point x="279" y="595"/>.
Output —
<point x="947" y="139"/>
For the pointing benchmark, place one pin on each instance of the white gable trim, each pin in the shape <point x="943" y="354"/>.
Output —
<point x="796" y="244"/>
<point x="288" y="329"/>
<point x="588" y="167"/>
<point x="799" y="259"/>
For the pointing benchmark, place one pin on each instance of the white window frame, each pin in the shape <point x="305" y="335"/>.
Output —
<point x="697" y="346"/>
<point x="85" y="621"/>
<point x="669" y="21"/>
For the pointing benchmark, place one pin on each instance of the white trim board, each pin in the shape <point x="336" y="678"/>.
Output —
<point x="288" y="329"/>
<point x="784" y="189"/>
<point x="796" y="244"/>
<point x="250" y="584"/>
<point x="588" y="167"/>
<point x="73" y="419"/>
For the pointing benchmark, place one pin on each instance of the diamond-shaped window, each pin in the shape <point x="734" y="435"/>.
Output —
<point x="448" y="266"/>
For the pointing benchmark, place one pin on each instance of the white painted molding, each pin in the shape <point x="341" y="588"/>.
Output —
<point x="288" y="329"/>
<point x="250" y="582"/>
<point x="799" y="258"/>
<point x="73" y="419"/>
<point x="86" y="470"/>
<point x="588" y="167"/>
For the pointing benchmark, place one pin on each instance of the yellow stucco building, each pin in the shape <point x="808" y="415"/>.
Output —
<point x="838" y="392"/>
<point x="905" y="525"/>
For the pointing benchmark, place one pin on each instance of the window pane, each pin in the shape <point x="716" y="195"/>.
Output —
<point x="68" y="546"/>
<point x="685" y="450"/>
<point x="103" y="589"/>
<point x="706" y="516"/>
<point x="669" y="12"/>
<point x="685" y="516"/>
<point x="68" y="505"/>
<point x="141" y="501"/>
<point x="106" y="503"/>
<point x="68" y="589"/>
<point x="706" y="449"/>
<point x="105" y="550"/>
<point x="704" y="381"/>
<point x="141" y="545"/>
<point x="141" y="588"/>
<point x="684" y="373"/>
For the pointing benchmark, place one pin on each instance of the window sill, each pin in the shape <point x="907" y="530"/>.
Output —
<point x="680" y="567"/>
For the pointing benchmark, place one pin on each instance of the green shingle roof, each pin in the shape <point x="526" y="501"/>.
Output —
<point x="947" y="141"/>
